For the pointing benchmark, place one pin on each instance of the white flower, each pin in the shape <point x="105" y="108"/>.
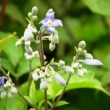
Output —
<point x="94" y="62"/>
<point x="59" y="79"/>
<point x="68" y="69"/>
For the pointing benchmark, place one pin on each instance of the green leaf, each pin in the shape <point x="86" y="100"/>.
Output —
<point x="32" y="92"/>
<point x="12" y="52"/>
<point x="61" y="103"/>
<point x="86" y="81"/>
<point x="76" y="82"/>
<point x="5" y="40"/>
<point x="16" y="103"/>
<point x="29" y="99"/>
<point x="98" y="6"/>
<point x="23" y="66"/>
<point x="90" y="30"/>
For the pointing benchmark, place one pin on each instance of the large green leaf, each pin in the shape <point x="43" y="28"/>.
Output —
<point x="5" y="40"/>
<point x="12" y="52"/>
<point x="98" y="6"/>
<point x="89" y="30"/>
<point x="16" y="103"/>
<point x="76" y="82"/>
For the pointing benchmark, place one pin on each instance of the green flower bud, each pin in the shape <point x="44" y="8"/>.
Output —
<point x="82" y="44"/>
<point x="88" y="56"/>
<point x="34" y="10"/>
<point x="30" y="15"/>
<point x="34" y="18"/>
<point x="51" y="46"/>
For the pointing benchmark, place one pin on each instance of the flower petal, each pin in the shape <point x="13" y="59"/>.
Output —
<point x="51" y="29"/>
<point x="57" y="22"/>
<point x="44" y="23"/>
<point x="50" y="15"/>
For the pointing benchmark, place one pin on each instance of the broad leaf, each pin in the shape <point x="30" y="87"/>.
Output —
<point x="5" y="40"/>
<point x="98" y="6"/>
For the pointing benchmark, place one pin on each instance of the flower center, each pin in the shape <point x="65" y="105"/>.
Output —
<point x="49" y="23"/>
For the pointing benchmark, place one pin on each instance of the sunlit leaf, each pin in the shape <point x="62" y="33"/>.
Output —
<point x="5" y="40"/>
<point x="98" y="6"/>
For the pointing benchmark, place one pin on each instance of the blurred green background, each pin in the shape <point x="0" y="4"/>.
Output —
<point x="87" y="20"/>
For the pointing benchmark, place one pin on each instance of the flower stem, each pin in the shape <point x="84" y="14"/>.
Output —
<point x="61" y="95"/>
<point x="41" y="55"/>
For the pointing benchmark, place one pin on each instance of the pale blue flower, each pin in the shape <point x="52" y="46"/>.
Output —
<point x="1" y="82"/>
<point x="94" y="62"/>
<point x="49" y="22"/>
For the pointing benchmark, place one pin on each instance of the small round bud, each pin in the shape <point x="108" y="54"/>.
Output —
<point x="35" y="76"/>
<point x="68" y="69"/>
<point x="19" y="42"/>
<point x="34" y="10"/>
<point x="51" y="46"/>
<point x="34" y="18"/>
<point x="82" y="44"/>
<point x="30" y="15"/>
<point x="88" y="56"/>
<point x="50" y="11"/>
<point x="61" y="63"/>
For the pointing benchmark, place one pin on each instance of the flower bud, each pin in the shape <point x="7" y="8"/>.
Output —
<point x="54" y="38"/>
<point x="50" y="11"/>
<point x="19" y="42"/>
<point x="30" y="15"/>
<point x="35" y="76"/>
<point x="61" y="63"/>
<point x="51" y="46"/>
<point x="75" y="65"/>
<point x="79" y="51"/>
<point x="88" y="56"/>
<point x="13" y="90"/>
<point x="34" y="18"/>
<point x="34" y="10"/>
<point x="82" y="44"/>
<point x="94" y="62"/>
<point x="43" y="84"/>
<point x="28" y="49"/>
<point x="3" y="94"/>
<point x="81" y="71"/>
<point x="28" y="34"/>
<point x="28" y="57"/>
<point x="68" y="69"/>
<point x="59" y="79"/>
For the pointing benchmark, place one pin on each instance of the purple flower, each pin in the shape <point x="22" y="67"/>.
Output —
<point x="1" y="82"/>
<point x="49" y="22"/>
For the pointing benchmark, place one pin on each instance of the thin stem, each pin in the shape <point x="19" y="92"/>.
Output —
<point x="40" y="49"/>
<point x="59" y="98"/>
<point x="41" y="55"/>
<point x="45" y="95"/>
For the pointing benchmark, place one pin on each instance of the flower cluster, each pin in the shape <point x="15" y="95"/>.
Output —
<point x="83" y="57"/>
<point x="7" y="89"/>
